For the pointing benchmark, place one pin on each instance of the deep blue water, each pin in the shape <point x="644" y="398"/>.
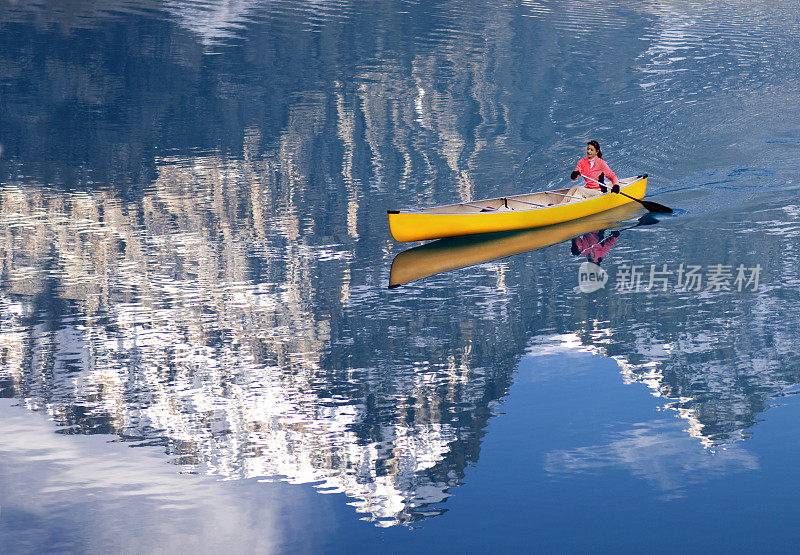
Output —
<point x="199" y="347"/>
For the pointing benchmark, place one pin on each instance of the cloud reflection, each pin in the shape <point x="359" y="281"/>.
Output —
<point x="667" y="459"/>
<point x="81" y="495"/>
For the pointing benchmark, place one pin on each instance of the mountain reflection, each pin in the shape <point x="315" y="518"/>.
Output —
<point x="183" y="321"/>
<point x="194" y="253"/>
<point x="172" y="321"/>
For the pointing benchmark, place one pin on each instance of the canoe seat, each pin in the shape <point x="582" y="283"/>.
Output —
<point x="581" y="193"/>
<point x="574" y="191"/>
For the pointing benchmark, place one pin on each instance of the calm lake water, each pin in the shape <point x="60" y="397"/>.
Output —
<point x="199" y="347"/>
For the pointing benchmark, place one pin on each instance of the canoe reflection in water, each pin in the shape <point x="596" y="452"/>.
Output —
<point x="460" y="252"/>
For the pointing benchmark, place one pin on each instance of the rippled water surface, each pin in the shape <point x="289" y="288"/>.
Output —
<point x="199" y="347"/>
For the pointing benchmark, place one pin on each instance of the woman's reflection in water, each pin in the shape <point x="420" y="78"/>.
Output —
<point x="594" y="245"/>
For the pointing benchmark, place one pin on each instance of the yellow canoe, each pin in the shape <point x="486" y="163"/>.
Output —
<point x="508" y="213"/>
<point x="460" y="252"/>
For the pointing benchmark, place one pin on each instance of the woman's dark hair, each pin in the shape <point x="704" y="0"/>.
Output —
<point x="596" y="146"/>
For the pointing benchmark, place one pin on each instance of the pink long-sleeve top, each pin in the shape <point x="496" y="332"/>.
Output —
<point x="593" y="168"/>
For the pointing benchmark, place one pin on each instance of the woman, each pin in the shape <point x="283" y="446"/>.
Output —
<point x="593" y="167"/>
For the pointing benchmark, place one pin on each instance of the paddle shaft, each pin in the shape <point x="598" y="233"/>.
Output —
<point x="650" y="205"/>
<point x="603" y="184"/>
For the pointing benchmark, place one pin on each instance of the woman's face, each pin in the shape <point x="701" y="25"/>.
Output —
<point x="591" y="151"/>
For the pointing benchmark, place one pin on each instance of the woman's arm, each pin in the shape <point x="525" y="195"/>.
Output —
<point x="608" y="173"/>
<point x="576" y="173"/>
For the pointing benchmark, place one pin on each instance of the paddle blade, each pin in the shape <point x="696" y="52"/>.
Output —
<point x="649" y="204"/>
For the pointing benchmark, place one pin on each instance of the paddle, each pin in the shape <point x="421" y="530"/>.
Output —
<point x="648" y="204"/>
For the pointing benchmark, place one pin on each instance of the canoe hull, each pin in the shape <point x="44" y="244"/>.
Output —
<point x="421" y="226"/>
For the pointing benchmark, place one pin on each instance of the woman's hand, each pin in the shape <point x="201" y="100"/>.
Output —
<point x="574" y="175"/>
